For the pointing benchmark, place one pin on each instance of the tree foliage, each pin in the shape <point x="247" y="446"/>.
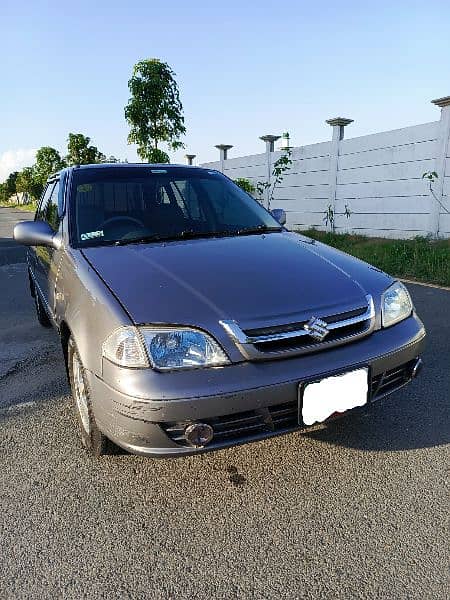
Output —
<point x="28" y="183"/>
<point x="3" y="193"/>
<point x="31" y="180"/>
<point x="154" y="111"/>
<point x="245" y="184"/>
<point x="9" y="187"/>
<point x="48" y="161"/>
<point x="79" y="152"/>
<point x="10" y="184"/>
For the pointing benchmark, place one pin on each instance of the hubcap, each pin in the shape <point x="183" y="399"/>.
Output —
<point x="80" y="393"/>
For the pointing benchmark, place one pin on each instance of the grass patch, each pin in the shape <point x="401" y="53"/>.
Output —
<point x="422" y="259"/>
<point x="27" y="207"/>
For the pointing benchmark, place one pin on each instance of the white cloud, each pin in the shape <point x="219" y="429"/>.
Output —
<point x="15" y="160"/>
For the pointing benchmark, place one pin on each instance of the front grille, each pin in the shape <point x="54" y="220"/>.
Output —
<point x="299" y="325"/>
<point x="392" y="380"/>
<point x="302" y="336"/>
<point x="279" y="418"/>
<point x="309" y="344"/>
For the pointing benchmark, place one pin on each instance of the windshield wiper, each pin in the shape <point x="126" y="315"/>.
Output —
<point x="191" y="233"/>
<point x="141" y="240"/>
<point x="257" y="229"/>
<point x="157" y="237"/>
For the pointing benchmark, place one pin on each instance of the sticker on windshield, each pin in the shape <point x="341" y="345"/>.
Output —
<point x="90" y="235"/>
<point x="158" y="170"/>
<point x="84" y="187"/>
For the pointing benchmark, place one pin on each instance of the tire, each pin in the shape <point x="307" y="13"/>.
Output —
<point x="95" y="442"/>
<point x="41" y="313"/>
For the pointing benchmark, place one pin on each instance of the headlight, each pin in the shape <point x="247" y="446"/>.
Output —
<point x="125" y="348"/>
<point x="181" y="348"/>
<point x="396" y="304"/>
<point x="163" y="348"/>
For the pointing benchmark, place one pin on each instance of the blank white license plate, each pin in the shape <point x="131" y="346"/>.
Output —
<point x="334" y="394"/>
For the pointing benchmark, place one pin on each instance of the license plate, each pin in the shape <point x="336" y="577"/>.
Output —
<point x="334" y="394"/>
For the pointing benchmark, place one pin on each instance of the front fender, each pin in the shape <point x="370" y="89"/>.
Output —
<point x="88" y="308"/>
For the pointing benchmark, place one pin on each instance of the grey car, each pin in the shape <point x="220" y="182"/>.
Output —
<point x="191" y="319"/>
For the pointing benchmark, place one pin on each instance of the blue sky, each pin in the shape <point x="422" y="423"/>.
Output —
<point x="244" y="69"/>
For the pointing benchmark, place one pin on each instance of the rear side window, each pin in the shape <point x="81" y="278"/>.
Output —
<point x="52" y="211"/>
<point x="41" y="212"/>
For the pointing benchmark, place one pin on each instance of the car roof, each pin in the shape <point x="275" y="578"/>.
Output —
<point x="124" y="165"/>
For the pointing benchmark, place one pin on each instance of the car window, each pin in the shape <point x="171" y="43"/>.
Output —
<point x="52" y="208"/>
<point x="40" y="213"/>
<point x="117" y="204"/>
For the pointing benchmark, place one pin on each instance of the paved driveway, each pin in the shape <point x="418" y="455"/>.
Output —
<point x="356" y="510"/>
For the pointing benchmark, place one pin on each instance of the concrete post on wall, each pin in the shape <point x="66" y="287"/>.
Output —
<point x="338" y="124"/>
<point x="223" y="149"/>
<point x="190" y="159"/>
<point x="270" y="147"/>
<point x="442" y="141"/>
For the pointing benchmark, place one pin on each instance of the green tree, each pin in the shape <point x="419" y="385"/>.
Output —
<point x="10" y="185"/>
<point x="28" y="183"/>
<point x="79" y="152"/>
<point x="154" y="111"/>
<point x="3" y="196"/>
<point x="48" y="161"/>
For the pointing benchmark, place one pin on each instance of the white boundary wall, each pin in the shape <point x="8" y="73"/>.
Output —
<point x="378" y="176"/>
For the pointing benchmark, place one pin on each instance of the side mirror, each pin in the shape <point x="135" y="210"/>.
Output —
<point x="279" y="214"/>
<point x="36" y="233"/>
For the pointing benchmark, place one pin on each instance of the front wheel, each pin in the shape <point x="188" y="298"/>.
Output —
<point x="91" y="437"/>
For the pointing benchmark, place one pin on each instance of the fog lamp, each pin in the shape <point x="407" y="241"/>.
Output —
<point x="198" y="434"/>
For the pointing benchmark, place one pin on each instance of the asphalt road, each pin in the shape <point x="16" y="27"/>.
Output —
<point x="10" y="252"/>
<point x="356" y="510"/>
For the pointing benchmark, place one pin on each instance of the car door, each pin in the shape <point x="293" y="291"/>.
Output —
<point x="47" y="259"/>
<point x="34" y="251"/>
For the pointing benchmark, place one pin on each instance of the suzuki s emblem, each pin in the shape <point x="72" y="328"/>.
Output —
<point x="317" y="328"/>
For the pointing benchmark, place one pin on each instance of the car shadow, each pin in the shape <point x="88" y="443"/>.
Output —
<point x="412" y="418"/>
<point x="418" y="416"/>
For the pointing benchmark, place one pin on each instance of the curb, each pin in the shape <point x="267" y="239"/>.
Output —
<point x="431" y="285"/>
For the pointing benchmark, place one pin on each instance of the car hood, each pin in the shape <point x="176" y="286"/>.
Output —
<point x="256" y="280"/>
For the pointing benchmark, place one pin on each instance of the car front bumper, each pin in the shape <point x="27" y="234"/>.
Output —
<point x="146" y="412"/>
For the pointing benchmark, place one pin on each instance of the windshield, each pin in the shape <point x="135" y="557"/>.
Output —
<point x="118" y="205"/>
